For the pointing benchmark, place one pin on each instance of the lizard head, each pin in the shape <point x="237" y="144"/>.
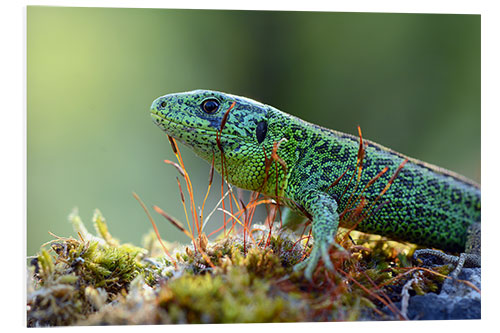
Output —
<point x="195" y="117"/>
<point x="210" y="121"/>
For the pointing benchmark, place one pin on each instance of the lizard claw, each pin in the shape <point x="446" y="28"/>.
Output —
<point x="326" y="256"/>
<point x="319" y="251"/>
<point x="308" y="264"/>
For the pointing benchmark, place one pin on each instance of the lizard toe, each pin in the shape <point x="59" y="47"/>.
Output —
<point x="325" y="255"/>
<point x="308" y="264"/>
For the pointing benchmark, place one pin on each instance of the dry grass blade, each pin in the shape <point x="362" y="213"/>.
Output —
<point x="390" y="306"/>
<point x="177" y="166"/>
<point x="210" y="180"/>
<point x="172" y="220"/>
<point x="238" y="221"/>
<point x="189" y="186"/>
<point x="154" y="227"/>
<point x="370" y="210"/>
<point x="172" y="144"/>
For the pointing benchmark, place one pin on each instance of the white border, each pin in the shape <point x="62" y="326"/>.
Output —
<point x="394" y="6"/>
<point x="13" y="152"/>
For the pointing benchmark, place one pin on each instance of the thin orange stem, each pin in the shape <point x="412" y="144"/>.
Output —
<point x="154" y="227"/>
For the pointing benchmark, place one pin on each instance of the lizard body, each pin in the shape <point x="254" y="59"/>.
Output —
<point x="425" y="204"/>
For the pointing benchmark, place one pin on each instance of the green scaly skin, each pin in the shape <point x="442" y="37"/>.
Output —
<point x="425" y="204"/>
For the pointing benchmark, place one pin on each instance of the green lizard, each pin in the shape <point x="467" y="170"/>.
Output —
<point x="425" y="204"/>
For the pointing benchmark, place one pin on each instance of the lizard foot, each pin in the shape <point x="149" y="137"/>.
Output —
<point x="319" y="251"/>
<point x="464" y="260"/>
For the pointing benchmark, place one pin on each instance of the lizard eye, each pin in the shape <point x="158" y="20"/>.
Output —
<point x="210" y="105"/>
<point x="261" y="131"/>
<point x="163" y="104"/>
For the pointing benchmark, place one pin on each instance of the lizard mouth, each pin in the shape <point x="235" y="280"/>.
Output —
<point x="156" y="118"/>
<point x="176" y="129"/>
<point x="172" y="127"/>
<point x="160" y="121"/>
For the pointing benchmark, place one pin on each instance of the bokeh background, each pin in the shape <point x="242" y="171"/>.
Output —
<point x="411" y="81"/>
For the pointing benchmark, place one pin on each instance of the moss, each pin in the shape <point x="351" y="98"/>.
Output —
<point x="95" y="280"/>
<point x="234" y="297"/>
<point x="72" y="282"/>
<point x="428" y="282"/>
<point x="237" y="278"/>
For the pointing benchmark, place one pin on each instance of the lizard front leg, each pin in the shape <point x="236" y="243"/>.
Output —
<point x="325" y="222"/>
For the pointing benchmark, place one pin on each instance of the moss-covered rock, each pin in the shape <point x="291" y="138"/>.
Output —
<point x="237" y="278"/>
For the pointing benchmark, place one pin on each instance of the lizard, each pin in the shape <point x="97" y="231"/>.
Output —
<point x="425" y="204"/>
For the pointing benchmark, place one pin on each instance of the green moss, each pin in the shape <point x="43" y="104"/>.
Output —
<point x="429" y="282"/>
<point x="234" y="297"/>
<point x="95" y="280"/>
<point x="65" y="284"/>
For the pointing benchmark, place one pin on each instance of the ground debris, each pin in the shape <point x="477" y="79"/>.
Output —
<point x="236" y="278"/>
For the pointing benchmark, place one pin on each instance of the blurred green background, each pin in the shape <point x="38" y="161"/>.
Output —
<point x="411" y="81"/>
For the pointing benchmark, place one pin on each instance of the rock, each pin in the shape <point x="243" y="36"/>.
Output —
<point x="455" y="301"/>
